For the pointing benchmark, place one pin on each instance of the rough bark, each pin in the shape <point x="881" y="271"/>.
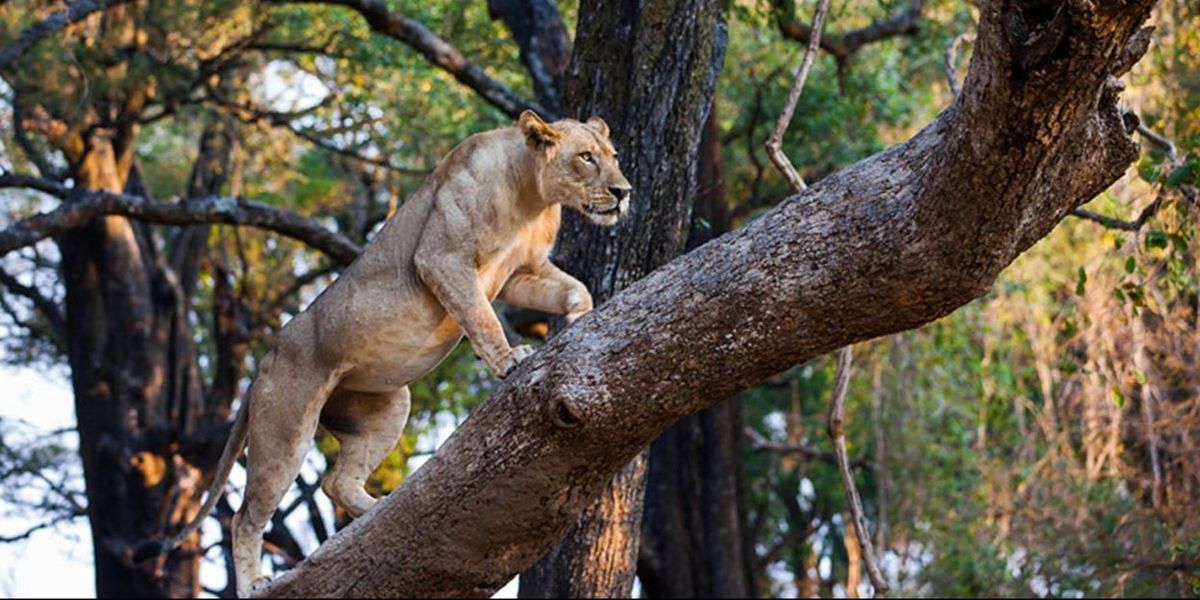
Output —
<point x="885" y="245"/>
<point x="694" y="528"/>
<point x="649" y="70"/>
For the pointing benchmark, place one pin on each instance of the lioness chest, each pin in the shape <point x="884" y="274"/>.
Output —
<point x="417" y="333"/>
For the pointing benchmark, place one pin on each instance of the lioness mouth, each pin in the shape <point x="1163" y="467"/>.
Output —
<point x="596" y="210"/>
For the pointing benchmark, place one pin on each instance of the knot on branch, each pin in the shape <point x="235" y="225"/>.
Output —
<point x="1035" y="31"/>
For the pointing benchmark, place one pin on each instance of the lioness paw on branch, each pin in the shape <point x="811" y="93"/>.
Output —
<point x="481" y="227"/>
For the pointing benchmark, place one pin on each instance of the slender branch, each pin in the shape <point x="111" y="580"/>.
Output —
<point x="1159" y="140"/>
<point x="838" y="434"/>
<point x="7" y="539"/>
<point x="759" y="443"/>
<point x="951" y="60"/>
<point x="52" y="24"/>
<point x="86" y="204"/>
<point x="843" y="46"/>
<point x="437" y="51"/>
<point x="19" y="135"/>
<point x="252" y="113"/>
<point x="33" y="182"/>
<point x="775" y="142"/>
<point x="1115" y="223"/>
<point x="49" y="308"/>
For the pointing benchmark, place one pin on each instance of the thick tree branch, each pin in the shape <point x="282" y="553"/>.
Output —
<point x="437" y="51"/>
<point x="885" y="245"/>
<point x="52" y="24"/>
<point x="82" y="205"/>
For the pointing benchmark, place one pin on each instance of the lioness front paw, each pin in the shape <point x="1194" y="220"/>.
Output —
<point x="578" y="303"/>
<point x="505" y="365"/>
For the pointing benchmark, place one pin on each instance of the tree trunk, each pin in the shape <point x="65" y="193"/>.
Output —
<point x="147" y="436"/>
<point x="650" y="71"/>
<point x="545" y="45"/>
<point x="888" y="244"/>
<point x="694" y="528"/>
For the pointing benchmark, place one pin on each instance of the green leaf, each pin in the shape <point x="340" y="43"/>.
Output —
<point x="1081" y="283"/>
<point x="1130" y="264"/>
<point x="1157" y="239"/>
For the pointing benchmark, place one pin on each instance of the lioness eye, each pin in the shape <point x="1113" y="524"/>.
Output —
<point x="587" y="157"/>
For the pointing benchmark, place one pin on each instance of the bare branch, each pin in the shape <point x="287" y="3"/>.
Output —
<point x="1159" y="140"/>
<point x="837" y="433"/>
<point x="85" y="204"/>
<point x="254" y="114"/>
<point x="47" y="307"/>
<point x="951" y="60"/>
<point x="52" y="24"/>
<point x="775" y="142"/>
<point x="7" y="539"/>
<point x="437" y="51"/>
<point x="843" y="46"/>
<point x="758" y="443"/>
<point x="1115" y="223"/>
<point x="37" y="158"/>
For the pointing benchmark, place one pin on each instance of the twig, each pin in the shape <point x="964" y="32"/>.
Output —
<point x="952" y="60"/>
<point x="760" y="444"/>
<point x="254" y="114"/>
<point x="775" y="142"/>
<point x="49" y="309"/>
<point x="838" y="434"/>
<point x="1159" y="140"/>
<point x="8" y="539"/>
<point x="1115" y="223"/>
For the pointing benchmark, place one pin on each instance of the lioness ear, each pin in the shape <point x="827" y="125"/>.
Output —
<point x="538" y="134"/>
<point x="599" y="124"/>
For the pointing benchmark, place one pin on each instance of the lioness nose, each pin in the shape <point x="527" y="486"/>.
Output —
<point x="619" y="192"/>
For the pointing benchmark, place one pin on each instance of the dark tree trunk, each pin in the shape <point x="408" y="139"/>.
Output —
<point x="649" y="70"/>
<point x="539" y="31"/>
<point x="148" y="437"/>
<point x="694" y="528"/>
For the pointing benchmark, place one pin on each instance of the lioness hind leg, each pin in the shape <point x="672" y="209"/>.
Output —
<point x="285" y="403"/>
<point x="366" y="426"/>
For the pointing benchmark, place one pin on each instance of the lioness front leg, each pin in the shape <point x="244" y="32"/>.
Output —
<point x="547" y="288"/>
<point x="451" y="278"/>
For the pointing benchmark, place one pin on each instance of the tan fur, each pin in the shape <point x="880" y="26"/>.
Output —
<point x="480" y="228"/>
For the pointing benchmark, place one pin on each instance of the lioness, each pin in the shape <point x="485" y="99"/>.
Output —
<point x="480" y="227"/>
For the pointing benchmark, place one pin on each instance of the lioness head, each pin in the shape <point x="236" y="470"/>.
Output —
<point x="581" y="168"/>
